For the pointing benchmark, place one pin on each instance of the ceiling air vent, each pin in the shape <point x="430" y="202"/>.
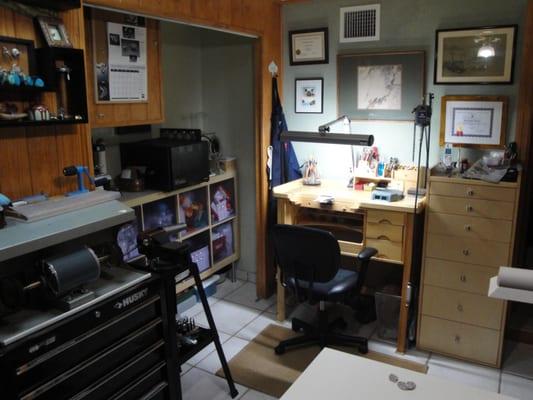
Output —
<point x="360" y="23"/>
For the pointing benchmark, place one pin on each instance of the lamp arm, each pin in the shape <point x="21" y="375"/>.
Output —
<point x="326" y="127"/>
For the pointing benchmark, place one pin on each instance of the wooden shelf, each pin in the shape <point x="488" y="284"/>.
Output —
<point x="26" y="122"/>
<point x="218" y="223"/>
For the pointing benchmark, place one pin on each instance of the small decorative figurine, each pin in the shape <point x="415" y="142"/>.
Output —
<point x="311" y="175"/>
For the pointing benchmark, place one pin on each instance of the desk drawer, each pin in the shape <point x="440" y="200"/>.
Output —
<point x="350" y="249"/>
<point x="462" y="307"/>
<point x="471" y="251"/>
<point x="470" y="227"/>
<point x="385" y="217"/>
<point x="386" y="249"/>
<point x="461" y="340"/>
<point x="459" y="276"/>
<point x="471" y="207"/>
<point x="472" y="191"/>
<point x="393" y="233"/>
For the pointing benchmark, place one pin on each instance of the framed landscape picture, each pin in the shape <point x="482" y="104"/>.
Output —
<point x="380" y="86"/>
<point x="475" y="55"/>
<point x="474" y="121"/>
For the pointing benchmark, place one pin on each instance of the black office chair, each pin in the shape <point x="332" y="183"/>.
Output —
<point x="309" y="260"/>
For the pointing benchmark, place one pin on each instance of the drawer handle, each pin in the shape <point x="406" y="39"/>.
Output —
<point x="468" y="228"/>
<point x="383" y="237"/>
<point x="469" y="208"/>
<point x="463" y="278"/>
<point x="100" y="115"/>
<point x="384" y="221"/>
<point x="470" y="192"/>
<point x="457" y="339"/>
<point x="459" y="307"/>
<point x="466" y="252"/>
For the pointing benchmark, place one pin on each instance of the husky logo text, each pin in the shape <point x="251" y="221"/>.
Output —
<point x="126" y="301"/>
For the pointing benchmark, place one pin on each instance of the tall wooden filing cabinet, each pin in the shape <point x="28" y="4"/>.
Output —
<point x="469" y="233"/>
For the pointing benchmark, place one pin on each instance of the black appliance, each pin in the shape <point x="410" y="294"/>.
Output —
<point x="170" y="164"/>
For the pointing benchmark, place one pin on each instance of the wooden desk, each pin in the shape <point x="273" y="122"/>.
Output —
<point x="341" y="376"/>
<point x="388" y="227"/>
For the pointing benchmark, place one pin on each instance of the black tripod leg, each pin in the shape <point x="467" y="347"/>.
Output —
<point x="169" y="307"/>
<point x="196" y="274"/>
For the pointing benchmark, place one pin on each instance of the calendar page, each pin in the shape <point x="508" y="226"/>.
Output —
<point x="127" y="62"/>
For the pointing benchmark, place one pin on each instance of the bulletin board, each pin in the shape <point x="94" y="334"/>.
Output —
<point x="120" y="63"/>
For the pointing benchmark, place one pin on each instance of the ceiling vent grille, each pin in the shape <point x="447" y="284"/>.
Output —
<point x="360" y="23"/>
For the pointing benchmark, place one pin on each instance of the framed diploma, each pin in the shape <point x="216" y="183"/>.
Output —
<point x="309" y="46"/>
<point x="474" y="121"/>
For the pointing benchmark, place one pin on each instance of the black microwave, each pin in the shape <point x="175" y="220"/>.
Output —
<point x="170" y="164"/>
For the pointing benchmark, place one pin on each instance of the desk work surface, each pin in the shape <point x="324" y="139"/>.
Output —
<point x="345" y="199"/>
<point x="337" y="375"/>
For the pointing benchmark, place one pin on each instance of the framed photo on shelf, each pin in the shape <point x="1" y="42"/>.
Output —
<point x="475" y="55"/>
<point x="380" y="86"/>
<point x="474" y="121"/>
<point x="54" y="32"/>
<point x="309" y="96"/>
<point x="309" y="46"/>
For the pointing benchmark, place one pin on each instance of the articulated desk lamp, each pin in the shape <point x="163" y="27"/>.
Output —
<point x="324" y="135"/>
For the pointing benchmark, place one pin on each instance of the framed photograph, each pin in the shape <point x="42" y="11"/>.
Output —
<point x="309" y="96"/>
<point x="380" y="86"/>
<point x="54" y="32"/>
<point x="474" y="121"/>
<point x="309" y="46"/>
<point x="475" y="55"/>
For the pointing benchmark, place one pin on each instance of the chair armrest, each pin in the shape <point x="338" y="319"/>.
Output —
<point x="366" y="254"/>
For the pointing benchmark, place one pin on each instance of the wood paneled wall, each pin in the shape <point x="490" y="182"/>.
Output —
<point x="32" y="159"/>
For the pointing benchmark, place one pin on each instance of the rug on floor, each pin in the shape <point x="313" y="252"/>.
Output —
<point x="257" y="366"/>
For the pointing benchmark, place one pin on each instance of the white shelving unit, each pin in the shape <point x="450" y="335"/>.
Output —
<point x="193" y="205"/>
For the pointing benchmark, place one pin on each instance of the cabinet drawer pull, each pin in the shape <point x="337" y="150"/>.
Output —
<point x="384" y="221"/>
<point x="383" y="237"/>
<point x="457" y="339"/>
<point x="470" y="192"/>
<point x="469" y="208"/>
<point x="459" y="307"/>
<point x="100" y="115"/>
<point x="463" y="278"/>
<point x="468" y="228"/>
<point x="466" y="252"/>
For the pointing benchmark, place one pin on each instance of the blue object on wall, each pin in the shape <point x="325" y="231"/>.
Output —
<point x="285" y="166"/>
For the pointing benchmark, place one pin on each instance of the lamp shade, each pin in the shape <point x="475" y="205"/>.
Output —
<point x="327" y="138"/>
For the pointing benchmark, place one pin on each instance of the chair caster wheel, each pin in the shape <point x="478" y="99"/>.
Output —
<point x="279" y="350"/>
<point x="363" y="348"/>
<point x="295" y="327"/>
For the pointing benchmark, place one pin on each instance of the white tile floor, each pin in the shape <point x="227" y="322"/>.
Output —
<point x="239" y="318"/>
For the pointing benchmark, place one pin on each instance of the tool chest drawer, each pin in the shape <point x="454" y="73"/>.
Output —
<point x="471" y="207"/>
<point x="473" y="191"/>
<point x="463" y="307"/>
<point x="458" y="276"/>
<point x="461" y="340"/>
<point x="470" y="227"/>
<point x="471" y="251"/>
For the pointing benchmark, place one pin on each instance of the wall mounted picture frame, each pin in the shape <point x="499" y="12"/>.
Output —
<point x="474" y="121"/>
<point x="309" y="46"/>
<point x="309" y="96"/>
<point x="482" y="55"/>
<point x="380" y="86"/>
<point x="54" y="32"/>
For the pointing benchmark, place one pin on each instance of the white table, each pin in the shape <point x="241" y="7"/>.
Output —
<point x="341" y="376"/>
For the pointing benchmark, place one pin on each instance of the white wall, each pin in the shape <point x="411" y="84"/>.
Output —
<point x="406" y="25"/>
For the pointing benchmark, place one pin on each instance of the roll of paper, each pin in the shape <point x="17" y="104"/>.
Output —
<point x="515" y="278"/>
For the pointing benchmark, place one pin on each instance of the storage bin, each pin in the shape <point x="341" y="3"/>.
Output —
<point x="388" y="314"/>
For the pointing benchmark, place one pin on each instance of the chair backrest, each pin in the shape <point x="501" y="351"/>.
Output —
<point x="305" y="253"/>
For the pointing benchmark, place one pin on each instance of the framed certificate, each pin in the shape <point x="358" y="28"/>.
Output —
<point x="474" y="121"/>
<point x="309" y="46"/>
